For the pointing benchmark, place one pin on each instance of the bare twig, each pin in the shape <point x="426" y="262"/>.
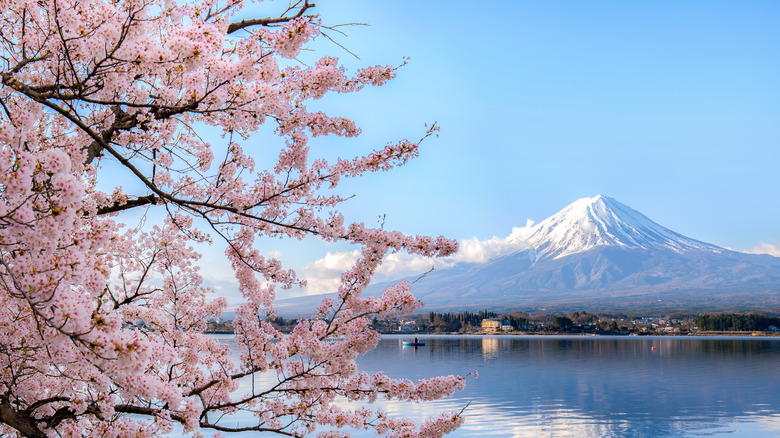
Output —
<point x="433" y="268"/>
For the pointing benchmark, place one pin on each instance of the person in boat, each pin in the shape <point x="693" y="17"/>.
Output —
<point x="415" y="340"/>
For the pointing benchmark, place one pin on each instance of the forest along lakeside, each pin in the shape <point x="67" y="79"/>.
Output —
<point x="581" y="322"/>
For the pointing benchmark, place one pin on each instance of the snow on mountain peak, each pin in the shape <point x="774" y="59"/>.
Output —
<point x="588" y="223"/>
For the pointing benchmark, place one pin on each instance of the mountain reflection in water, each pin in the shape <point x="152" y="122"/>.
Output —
<point x="581" y="386"/>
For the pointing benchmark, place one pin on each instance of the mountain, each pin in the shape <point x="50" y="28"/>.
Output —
<point x="589" y="223"/>
<point x="600" y="255"/>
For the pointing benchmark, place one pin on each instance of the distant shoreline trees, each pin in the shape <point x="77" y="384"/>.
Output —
<point x="577" y="322"/>
<point x="733" y="322"/>
<point x="586" y="322"/>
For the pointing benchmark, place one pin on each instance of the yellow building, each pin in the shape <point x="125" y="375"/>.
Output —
<point x="491" y="325"/>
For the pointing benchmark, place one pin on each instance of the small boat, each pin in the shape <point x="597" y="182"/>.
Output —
<point x="413" y="344"/>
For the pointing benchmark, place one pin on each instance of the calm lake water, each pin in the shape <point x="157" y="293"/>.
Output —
<point x="582" y="386"/>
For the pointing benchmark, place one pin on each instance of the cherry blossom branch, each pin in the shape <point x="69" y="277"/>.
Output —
<point x="104" y="323"/>
<point x="25" y="424"/>
<point x="234" y="27"/>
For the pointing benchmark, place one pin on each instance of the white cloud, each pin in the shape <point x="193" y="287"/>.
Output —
<point x="324" y="274"/>
<point x="335" y="261"/>
<point x="766" y="248"/>
<point x="476" y="251"/>
<point x="402" y="264"/>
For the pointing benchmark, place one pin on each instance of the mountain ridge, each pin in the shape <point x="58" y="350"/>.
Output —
<point x="599" y="254"/>
<point x="602" y="221"/>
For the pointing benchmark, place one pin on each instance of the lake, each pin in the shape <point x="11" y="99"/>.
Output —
<point x="588" y="386"/>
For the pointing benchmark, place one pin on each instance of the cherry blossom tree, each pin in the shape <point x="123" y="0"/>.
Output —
<point x="101" y="325"/>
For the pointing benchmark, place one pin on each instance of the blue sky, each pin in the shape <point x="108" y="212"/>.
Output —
<point x="670" y="107"/>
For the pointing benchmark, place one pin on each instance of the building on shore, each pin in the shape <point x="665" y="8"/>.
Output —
<point x="491" y="325"/>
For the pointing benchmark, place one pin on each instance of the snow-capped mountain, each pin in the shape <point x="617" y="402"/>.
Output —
<point x="600" y="255"/>
<point x="589" y="223"/>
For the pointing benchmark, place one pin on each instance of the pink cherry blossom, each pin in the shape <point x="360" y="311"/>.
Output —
<point x="102" y="324"/>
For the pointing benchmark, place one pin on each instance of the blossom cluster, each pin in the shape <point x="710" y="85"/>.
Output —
<point x="102" y="324"/>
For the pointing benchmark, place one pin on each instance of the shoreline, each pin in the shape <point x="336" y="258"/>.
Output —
<point x="671" y="335"/>
<point x="616" y="335"/>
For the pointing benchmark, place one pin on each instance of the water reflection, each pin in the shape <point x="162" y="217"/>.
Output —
<point x="592" y="386"/>
<point x="598" y="386"/>
<point x="489" y="348"/>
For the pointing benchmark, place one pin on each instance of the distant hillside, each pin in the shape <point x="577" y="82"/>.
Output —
<point x="598" y="254"/>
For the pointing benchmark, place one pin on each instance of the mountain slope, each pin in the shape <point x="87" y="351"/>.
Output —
<point x="600" y="221"/>
<point x="598" y="254"/>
